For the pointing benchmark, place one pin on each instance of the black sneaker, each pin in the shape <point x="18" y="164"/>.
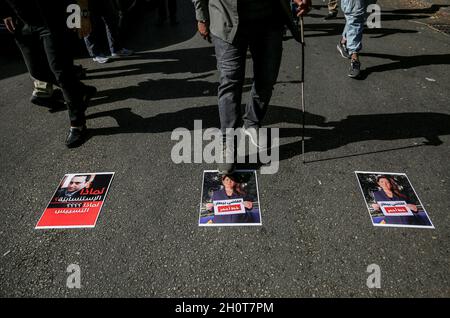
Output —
<point x="342" y="48"/>
<point x="76" y="137"/>
<point x="331" y="15"/>
<point x="228" y="164"/>
<point x="355" y="69"/>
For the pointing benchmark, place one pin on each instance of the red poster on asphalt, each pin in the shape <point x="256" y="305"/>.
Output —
<point x="77" y="202"/>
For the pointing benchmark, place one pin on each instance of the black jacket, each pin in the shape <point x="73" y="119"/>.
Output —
<point x="38" y="13"/>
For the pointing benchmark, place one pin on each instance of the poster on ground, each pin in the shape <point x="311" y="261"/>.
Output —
<point x="230" y="200"/>
<point x="77" y="201"/>
<point x="392" y="201"/>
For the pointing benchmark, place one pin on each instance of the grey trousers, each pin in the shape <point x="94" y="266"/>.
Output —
<point x="265" y="44"/>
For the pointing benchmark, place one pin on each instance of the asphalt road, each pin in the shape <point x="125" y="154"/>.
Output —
<point x="317" y="238"/>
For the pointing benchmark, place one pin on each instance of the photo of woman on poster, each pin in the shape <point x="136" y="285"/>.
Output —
<point x="389" y="191"/>
<point x="381" y="188"/>
<point x="231" y="188"/>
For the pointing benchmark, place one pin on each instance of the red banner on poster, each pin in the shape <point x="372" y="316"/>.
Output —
<point x="229" y="208"/>
<point x="226" y="207"/>
<point x="396" y="209"/>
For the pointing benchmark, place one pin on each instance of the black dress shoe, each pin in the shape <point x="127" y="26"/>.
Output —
<point x="331" y="15"/>
<point x="56" y="101"/>
<point x="76" y="137"/>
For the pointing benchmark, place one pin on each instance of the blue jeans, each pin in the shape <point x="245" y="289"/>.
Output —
<point x="103" y="18"/>
<point x="355" y="16"/>
<point x="265" y="44"/>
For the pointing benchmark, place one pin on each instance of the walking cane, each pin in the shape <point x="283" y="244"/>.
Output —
<point x="302" y="80"/>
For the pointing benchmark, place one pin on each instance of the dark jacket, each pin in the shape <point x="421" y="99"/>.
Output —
<point x="37" y="13"/>
<point x="223" y="17"/>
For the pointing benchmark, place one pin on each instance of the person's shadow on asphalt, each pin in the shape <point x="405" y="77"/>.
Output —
<point x="334" y="29"/>
<point x="320" y="135"/>
<point x="190" y="60"/>
<point x="167" y="63"/>
<point x="403" y="62"/>
<point x="374" y="127"/>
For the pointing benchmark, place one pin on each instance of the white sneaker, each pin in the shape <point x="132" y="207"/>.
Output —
<point x="253" y="133"/>
<point x="122" y="52"/>
<point x="101" y="59"/>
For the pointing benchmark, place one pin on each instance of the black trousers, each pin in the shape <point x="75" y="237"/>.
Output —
<point x="47" y="60"/>
<point x="162" y="9"/>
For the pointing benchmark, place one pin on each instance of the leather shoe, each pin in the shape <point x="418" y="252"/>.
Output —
<point x="76" y="137"/>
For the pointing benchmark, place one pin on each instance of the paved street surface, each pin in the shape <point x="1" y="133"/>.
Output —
<point x="317" y="238"/>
